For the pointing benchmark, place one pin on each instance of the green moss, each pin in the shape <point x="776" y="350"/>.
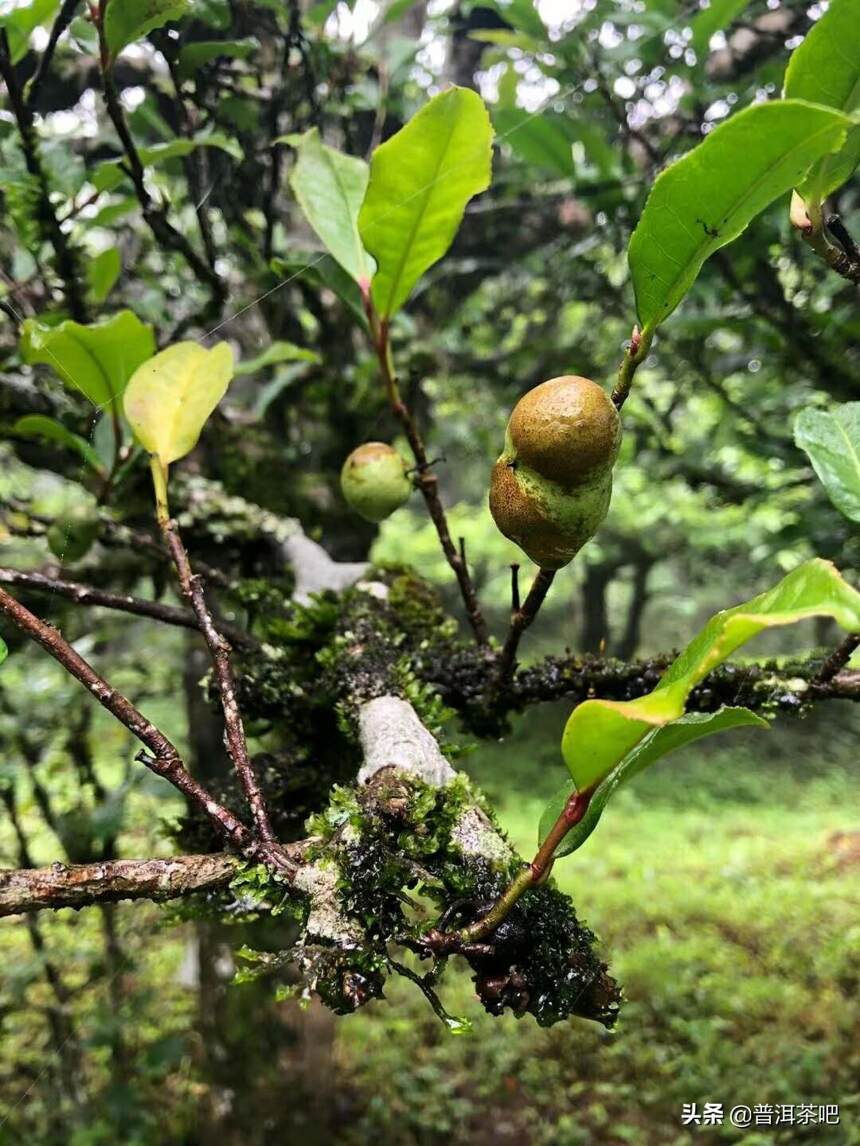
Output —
<point x="418" y="606"/>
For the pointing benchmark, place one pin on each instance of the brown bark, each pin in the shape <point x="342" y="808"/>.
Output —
<point x="79" y="885"/>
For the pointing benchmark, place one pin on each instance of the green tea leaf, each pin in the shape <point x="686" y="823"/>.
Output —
<point x="831" y="438"/>
<point x="193" y="56"/>
<point x="330" y="188"/>
<point x="102" y="273"/>
<point x="420" y="182"/>
<point x="825" y="69"/>
<point x="97" y="359"/>
<point x="600" y="733"/>
<point x="710" y="195"/>
<point x="130" y="20"/>
<point x="110" y="174"/>
<point x="4" y="651"/>
<point x="654" y="745"/>
<point x="272" y="355"/>
<point x="41" y="426"/>
<point x="717" y="16"/>
<point x="170" y="397"/>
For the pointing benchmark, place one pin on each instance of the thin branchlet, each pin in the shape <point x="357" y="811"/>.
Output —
<point x="425" y="479"/>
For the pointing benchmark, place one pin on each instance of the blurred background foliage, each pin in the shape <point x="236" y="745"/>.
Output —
<point x="724" y="884"/>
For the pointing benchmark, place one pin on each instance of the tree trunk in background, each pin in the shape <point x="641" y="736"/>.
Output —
<point x="594" y="632"/>
<point x="632" y="635"/>
<point x="464" y="53"/>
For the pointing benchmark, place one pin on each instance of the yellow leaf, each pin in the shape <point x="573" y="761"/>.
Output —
<point x="170" y="397"/>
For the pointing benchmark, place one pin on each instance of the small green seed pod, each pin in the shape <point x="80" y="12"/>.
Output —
<point x="72" y="537"/>
<point x="374" y="481"/>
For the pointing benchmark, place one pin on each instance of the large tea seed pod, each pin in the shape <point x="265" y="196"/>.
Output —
<point x="551" y="486"/>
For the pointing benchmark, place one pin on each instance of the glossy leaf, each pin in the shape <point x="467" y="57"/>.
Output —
<point x="657" y="743"/>
<point x="420" y="182"/>
<point x="330" y="188"/>
<point x="98" y="359"/>
<point x="130" y="20"/>
<point x="102" y="272"/>
<point x="170" y="397"/>
<point x="710" y="195"/>
<point x="193" y="56"/>
<point x="110" y="174"/>
<point x="41" y="426"/>
<point x="272" y="355"/>
<point x="831" y="438"/>
<point x="600" y="733"/>
<point x="825" y="69"/>
<point x="718" y="16"/>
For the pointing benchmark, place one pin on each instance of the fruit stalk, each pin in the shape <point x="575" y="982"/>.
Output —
<point x="520" y="621"/>
<point x="533" y="873"/>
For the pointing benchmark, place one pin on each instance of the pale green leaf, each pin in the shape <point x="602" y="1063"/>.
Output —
<point x="710" y="195"/>
<point x="98" y="359"/>
<point x="657" y="743"/>
<point x="825" y="69"/>
<point x="600" y="733"/>
<point x="193" y="56"/>
<point x="41" y="426"/>
<point x="330" y="188"/>
<point x="4" y="651"/>
<point x="272" y="355"/>
<point x="102" y="272"/>
<point x="831" y="438"/>
<point x="170" y="397"/>
<point x="130" y="20"/>
<point x="110" y="174"/>
<point x="420" y="182"/>
<point x="715" y="18"/>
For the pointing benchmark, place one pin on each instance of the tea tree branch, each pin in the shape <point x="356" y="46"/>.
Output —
<point x="63" y="19"/>
<point x="425" y="479"/>
<point x="837" y="660"/>
<point x="161" y="756"/>
<point x="192" y="591"/>
<point x="521" y="619"/>
<point x="634" y="356"/>
<point x="844" y="259"/>
<point x="122" y="602"/>
<point x="81" y="885"/>
<point x="533" y="873"/>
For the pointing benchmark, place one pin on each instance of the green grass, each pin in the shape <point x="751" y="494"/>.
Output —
<point x="727" y="909"/>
